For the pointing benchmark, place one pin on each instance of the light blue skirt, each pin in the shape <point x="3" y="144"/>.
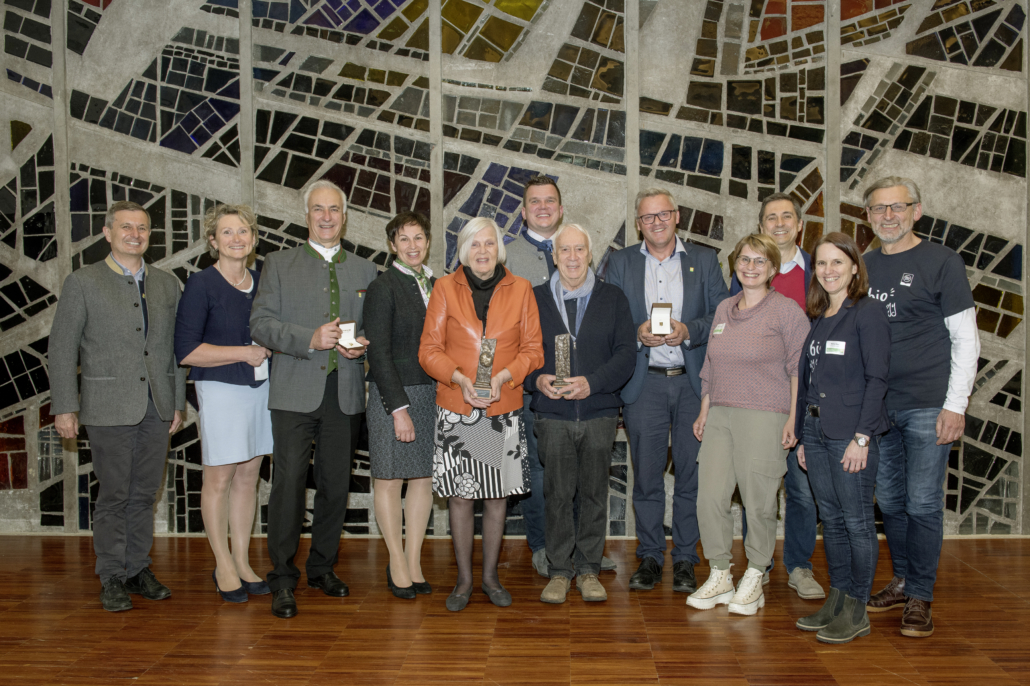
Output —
<point x="235" y="424"/>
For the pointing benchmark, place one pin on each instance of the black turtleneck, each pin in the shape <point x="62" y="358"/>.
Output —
<point x="483" y="290"/>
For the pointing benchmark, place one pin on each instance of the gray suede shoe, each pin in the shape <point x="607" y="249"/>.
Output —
<point x="821" y="619"/>
<point x="540" y="563"/>
<point x="851" y="623"/>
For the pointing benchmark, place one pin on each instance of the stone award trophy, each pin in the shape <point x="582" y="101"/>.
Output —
<point x="486" y="367"/>
<point x="661" y="319"/>
<point x="562" y="366"/>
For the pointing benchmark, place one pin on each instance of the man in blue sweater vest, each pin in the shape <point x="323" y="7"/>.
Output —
<point x="576" y="417"/>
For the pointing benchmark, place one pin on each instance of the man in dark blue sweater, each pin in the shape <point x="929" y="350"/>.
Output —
<point x="576" y="419"/>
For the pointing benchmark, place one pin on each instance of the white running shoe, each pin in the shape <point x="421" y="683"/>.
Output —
<point x="749" y="596"/>
<point x="717" y="590"/>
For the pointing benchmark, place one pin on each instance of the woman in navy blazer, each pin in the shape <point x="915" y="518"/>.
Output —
<point x="842" y="383"/>
<point x="229" y="373"/>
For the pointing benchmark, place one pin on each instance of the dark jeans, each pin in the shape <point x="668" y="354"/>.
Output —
<point x="533" y="502"/>
<point x="576" y="456"/>
<point x="800" y="521"/>
<point x="336" y="437"/>
<point x="846" y="505"/>
<point x="666" y="402"/>
<point x="910" y="492"/>
<point x="129" y="462"/>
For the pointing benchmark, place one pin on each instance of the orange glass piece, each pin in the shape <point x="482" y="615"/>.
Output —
<point x="849" y="9"/>
<point x="803" y="16"/>
<point x="774" y="27"/>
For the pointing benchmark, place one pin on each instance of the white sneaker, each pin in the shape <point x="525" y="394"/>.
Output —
<point x="717" y="590"/>
<point x="749" y="596"/>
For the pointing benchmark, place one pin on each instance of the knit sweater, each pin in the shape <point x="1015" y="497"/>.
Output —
<point x="753" y="353"/>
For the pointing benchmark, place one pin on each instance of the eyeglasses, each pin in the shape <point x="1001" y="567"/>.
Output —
<point x="759" y="262"/>
<point x="896" y="208"/>
<point x="664" y="215"/>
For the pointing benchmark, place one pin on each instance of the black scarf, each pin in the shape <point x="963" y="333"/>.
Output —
<point x="483" y="290"/>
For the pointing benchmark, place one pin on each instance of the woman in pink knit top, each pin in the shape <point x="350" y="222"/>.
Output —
<point x="746" y="426"/>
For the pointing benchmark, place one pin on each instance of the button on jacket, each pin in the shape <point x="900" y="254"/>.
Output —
<point x="452" y="335"/>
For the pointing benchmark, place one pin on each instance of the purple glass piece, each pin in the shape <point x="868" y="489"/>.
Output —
<point x="385" y="8"/>
<point x="178" y="140"/>
<point x="495" y="174"/>
<point x="495" y="197"/>
<point x="363" y="22"/>
<point x="319" y="19"/>
<point x="501" y="219"/>
<point x="227" y="110"/>
<point x="510" y="203"/>
<point x="521" y="176"/>
<point x="475" y="200"/>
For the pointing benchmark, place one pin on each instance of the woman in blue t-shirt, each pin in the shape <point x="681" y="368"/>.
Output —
<point x="842" y="382"/>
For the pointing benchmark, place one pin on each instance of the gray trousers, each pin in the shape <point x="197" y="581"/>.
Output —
<point x="741" y="449"/>
<point x="129" y="462"/>
<point x="575" y="456"/>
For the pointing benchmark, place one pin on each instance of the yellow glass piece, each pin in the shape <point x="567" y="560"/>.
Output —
<point x="1012" y="302"/>
<point x="462" y="14"/>
<point x="450" y="38"/>
<point x="395" y="78"/>
<point x="353" y="71"/>
<point x="953" y="13"/>
<point x="605" y="27"/>
<point x="420" y="39"/>
<point x="394" y="30"/>
<point x="415" y="9"/>
<point x="500" y="32"/>
<point x="377" y="75"/>
<point x="520" y="9"/>
<point x="618" y="39"/>
<point x="483" y="51"/>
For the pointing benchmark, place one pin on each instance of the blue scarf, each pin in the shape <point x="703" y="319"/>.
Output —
<point x="581" y="295"/>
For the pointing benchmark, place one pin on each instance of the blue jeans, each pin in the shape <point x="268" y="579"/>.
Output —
<point x="533" y="504"/>
<point x="846" y="505"/>
<point x="666" y="402"/>
<point x="910" y="492"/>
<point x="800" y="521"/>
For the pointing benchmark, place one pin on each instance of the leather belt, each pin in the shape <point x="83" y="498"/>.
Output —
<point x="813" y="410"/>
<point x="667" y="371"/>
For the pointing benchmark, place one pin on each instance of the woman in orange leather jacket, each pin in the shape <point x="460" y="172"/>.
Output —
<point x="480" y="440"/>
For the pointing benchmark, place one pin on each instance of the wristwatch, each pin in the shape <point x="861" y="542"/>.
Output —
<point x="862" y="441"/>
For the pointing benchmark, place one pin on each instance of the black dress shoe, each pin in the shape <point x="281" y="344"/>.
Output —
<point x="406" y="592"/>
<point x="647" y="575"/>
<point x="255" y="587"/>
<point x="238" y="595"/>
<point x="330" y="585"/>
<point x="683" y="580"/>
<point x="422" y="587"/>
<point x="147" y="585"/>
<point x="114" y="597"/>
<point x="284" y="605"/>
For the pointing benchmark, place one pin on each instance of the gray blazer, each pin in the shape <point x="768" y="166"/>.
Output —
<point x="526" y="261"/>
<point x="99" y="324"/>
<point x="292" y="301"/>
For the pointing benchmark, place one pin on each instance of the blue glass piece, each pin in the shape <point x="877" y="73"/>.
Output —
<point x="451" y="237"/>
<point x="650" y="144"/>
<point x="80" y="196"/>
<point x="202" y="112"/>
<point x="337" y="5"/>
<point x="510" y="203"/>
<point x="501" y="219"/>
<point x="521" y="176"/>
<point x="1011" y="265"/>
<point x="264" y="74"/>
<point x="495" y="197"/>
<point x="177" y="139"/>
<point x="849" y="157"/>
<point x="363" y="22"/>
<point x="691" y="152"/>
<point x="259" y="9"/>
<point x="279" y="11"/>
<point x="494" y="174"/>
<point x="200" y="136"/>
<point x="711" y="157"/>
<point x="384" y="9"/>
<point x="672" y="152"/>
<point x="319" y="19"/>
<point x="286" y="60"/>
<point x="794" y="163"/>
<point x="514" y="188"/>
<point x="475" y="200"/>
<point x="216" y="79"/>
<point x="190" y="122"/>
<point x="297" y="10"/>
<point x="1016" y="17"/>
<point x="227" y="110"/>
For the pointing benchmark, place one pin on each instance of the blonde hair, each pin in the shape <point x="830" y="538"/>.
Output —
<point x="214" y="215"/>
<point x="764" y="246"/>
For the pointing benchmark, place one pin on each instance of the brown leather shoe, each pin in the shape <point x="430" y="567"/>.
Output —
<point x="893" y="595"/>
<point x="917" y="621"/>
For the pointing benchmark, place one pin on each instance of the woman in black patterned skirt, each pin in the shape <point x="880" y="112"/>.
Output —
<point x="401" y="401"/>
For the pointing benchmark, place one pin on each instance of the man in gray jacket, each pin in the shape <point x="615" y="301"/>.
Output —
<point x="316" y="392"/>
<point x="116" y="318"/>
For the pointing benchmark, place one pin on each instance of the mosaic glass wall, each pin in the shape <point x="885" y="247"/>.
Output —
<point x="721" y="101"/>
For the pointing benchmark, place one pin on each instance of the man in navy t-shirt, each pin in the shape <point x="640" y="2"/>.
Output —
<point x="934" y="351"/>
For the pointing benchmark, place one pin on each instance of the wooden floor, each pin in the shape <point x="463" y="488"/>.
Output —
<point x="53" y="630"/>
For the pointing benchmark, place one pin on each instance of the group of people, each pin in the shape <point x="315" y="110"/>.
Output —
<point x="846" y="376"/>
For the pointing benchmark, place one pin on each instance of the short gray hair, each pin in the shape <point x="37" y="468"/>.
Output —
<point x="650" y="193"/>
<point x="777" y="197"/>
<point x="565" y="227"/>
<point x="471" y="229"/>
<point x="123" y="206"/>
<point x="892" y="182"/>
<point x="324" y="184"/>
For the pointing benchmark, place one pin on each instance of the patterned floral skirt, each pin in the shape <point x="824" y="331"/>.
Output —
<point x="479" y="456"/>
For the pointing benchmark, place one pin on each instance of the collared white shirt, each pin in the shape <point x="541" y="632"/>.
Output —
<point x="325" y="252"/>
<point x="138" y="275"/>
<point x="796" y="261"/>
<point x="535" y="236"/>
<point x="663" y="283"/>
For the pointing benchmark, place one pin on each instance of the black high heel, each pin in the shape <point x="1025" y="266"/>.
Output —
<point x="407" y="593"/>
<point x="237" y="596"/>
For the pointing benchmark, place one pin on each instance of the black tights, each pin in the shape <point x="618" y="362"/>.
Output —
<point x="463" y="537"/>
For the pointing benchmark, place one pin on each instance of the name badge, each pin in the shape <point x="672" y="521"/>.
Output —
<point x="834" y="347"/>
<point x="718" y="329"/>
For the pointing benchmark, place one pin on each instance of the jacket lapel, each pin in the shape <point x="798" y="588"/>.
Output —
<point x="635" y="279"/>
